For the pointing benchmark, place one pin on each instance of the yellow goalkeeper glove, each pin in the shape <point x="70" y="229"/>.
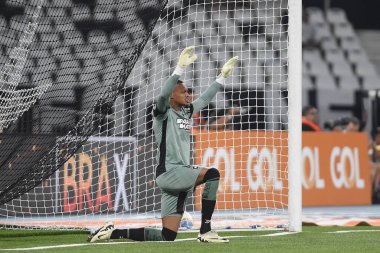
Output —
<point x="228" y="66"/>
<point x="187" y="57"/>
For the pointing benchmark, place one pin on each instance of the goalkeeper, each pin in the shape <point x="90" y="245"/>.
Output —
<point x="174" y="175"/>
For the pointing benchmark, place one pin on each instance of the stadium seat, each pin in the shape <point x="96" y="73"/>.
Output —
<point x="136" y="77"/>
<point x="312" y="55"/>
<point x="322" y="31"/>
<point x="281" y="44"/>
<point x="197" y="14"/>
<point x="325" y="81"/>
<point x="329" y="43"/>
<point x="29" y="10"/>
<point x="80" y="12"/>
<point x="371" y="82"/>
<point x="356" y="56"/>
<point x="93" y="65"/>
<point x="97" y="38"/>
<point x="316" y="15"/>
<point x="343" y="31"/>
<point x="120" y="38"/>
<point x="47" y="65"/>
<point x="220" y="16"/>
<point x="307" y="82"/>
<point x="305" y="68"/>
<point x="64" y="27"/>
<point x="50" y="39"/>
<point x="61" y="4"/>
<point x="103" y="14"/>
<point x="126" y="17"/>
<point x="15" y="3"/>
<point x="3" y="23"/>
<point x="50" y="119"/>
<point x="255" y="76"/>
<point x="348" y="82"/>
<point x="341" y="68"/>
<point x="70" y="65"/>
<point x="66" y="79"/>
<point x="18" y="23"/>
<point x="257" y="42"/>
<point x="58" y="14"/>
<point x="333" y="56"/>
<point x="3" y="58"/>
<point x="350" y="44"/>
<point x="307" y="86"/>
<point x="104" y="52"/>
<point x="277" y="75"/>
<point x="204" y="29"/>
<point x="72" y="38"/>
<point x="336" y="16"/>
<point x="337" y="97"/>
<point x="319" y="68"/>
<point x="244" y="15"/>
<point x="275" y="31"/>
<point x="365" y="69"/>
<point x="87" y="79"/>
<point x="84" y="51"/>
<point x="109" y="3"/>
<point x="205" y="75"/>
<point x="26" y="79"/>
<point x="265" y="54"/>
<point x="61" y="51"/>
<point x="45" y="26"/>
<point x="113" y="68"/>
<point x="225" y="26"/>
<point x="265" y="16"/>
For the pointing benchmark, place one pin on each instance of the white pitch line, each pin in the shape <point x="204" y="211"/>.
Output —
<point x="115" y="243"/>
<point x="351" y="231"/>
<point x="280" y="234"/>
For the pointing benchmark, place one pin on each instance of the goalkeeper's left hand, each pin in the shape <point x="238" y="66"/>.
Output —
<point x="228" y="66"/>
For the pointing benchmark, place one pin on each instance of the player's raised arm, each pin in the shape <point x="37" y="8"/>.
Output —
<point x="186" y="58"/>
<point x="210" y="93"/>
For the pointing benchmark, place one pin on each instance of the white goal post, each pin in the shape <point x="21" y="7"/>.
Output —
<point x="295" y="112"/>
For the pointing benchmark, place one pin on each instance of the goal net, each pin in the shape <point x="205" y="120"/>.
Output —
<point x="92" y="155"/>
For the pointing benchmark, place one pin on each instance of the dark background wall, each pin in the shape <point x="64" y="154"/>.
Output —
<point x="362" y="14"/>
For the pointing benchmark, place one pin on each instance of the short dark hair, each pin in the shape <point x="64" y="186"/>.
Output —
<point x="190" y="90"/>
<point x="354" y="120"/>
<point x="179" y="82"/>
<point x="306" y="109"/>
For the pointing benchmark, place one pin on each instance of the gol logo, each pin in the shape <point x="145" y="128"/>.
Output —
<point x="310" y="156"/>
<point x="345" y="169"/>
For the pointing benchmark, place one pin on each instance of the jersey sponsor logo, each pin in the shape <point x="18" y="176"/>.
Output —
<point x="184" y="124"/>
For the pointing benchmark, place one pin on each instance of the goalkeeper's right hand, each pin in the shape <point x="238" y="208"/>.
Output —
<point x="228" y="66"/>
<point x="187" y="57"/>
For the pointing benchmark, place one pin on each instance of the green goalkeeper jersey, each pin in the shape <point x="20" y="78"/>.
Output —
<point x="172" y="128"/>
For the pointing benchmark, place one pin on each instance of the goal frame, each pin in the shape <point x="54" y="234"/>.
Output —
<point x="294" y="115"/>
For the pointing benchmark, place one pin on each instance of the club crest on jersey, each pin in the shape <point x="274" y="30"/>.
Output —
<point x="183" y="124"/>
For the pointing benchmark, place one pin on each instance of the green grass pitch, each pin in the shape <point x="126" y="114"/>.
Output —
<point x="312" y="239"/>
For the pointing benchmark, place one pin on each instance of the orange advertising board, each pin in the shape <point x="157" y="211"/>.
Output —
<point x="253" y="167"/>
<point x="335" y="169"/>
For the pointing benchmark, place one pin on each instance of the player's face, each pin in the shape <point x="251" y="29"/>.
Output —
<point x="180" y="95"/>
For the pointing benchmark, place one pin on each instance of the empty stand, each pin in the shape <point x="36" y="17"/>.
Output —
<point x="336" y="67"/>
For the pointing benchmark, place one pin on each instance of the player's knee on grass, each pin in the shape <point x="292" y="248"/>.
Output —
<point x="168" y="235"/>
<point x="211" y="174"/>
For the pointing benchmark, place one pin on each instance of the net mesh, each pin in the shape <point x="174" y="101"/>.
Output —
<point x="243" y="132"/>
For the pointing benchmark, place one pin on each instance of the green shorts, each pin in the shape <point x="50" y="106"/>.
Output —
<point x="176" y="184"/>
